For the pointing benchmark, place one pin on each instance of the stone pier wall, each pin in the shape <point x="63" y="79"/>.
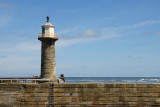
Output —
<point x="24" y="95"/>
<point x="107" y="95"/>
<point x="80" y="95"/>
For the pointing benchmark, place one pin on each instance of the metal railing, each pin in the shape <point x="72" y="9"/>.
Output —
<point x="23" y="80"/>
<point x="45" y="35"/>
<point x="18" y="76"/>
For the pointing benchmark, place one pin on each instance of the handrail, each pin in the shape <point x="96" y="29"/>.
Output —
<point x="23" y="80"/>
<point x="18" y="75"/>
<point x="47" y="35"/>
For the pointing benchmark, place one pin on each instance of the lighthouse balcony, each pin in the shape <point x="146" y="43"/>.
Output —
<point x="47" y="36"/>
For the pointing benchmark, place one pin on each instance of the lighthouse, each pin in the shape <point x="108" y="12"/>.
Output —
<point x="48" y="39"/>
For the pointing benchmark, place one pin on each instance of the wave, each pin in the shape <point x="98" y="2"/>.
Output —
<point x="115" y="80"/>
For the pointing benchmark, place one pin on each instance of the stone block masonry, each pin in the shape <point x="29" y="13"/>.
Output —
<point x="79" y="95"/>
<point x="24" y="95"/>
<point x="107" y="95"/>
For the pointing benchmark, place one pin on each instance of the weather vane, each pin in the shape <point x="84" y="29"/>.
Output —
<point x="47" y="18"/>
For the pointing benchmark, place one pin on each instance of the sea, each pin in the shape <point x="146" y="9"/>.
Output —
<point x="112" y="79"/>
<point x="99" y="79"/>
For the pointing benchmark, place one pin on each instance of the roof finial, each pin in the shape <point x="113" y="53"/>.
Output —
<point x="47" y="18"/>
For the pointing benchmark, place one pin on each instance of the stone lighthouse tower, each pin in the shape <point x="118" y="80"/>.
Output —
<point x="48" y="39"/>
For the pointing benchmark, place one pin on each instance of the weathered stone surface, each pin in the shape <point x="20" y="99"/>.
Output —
<point x="48" y="59"/>
<point x="108" y="95"/>
<point x="80" y="95"/>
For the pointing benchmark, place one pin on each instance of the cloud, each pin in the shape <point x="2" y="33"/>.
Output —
<point x="133" y="56"/>
<point x="26" y="46"/>
<point x="101" y="34"/>
<point x="64" y="31"/>
<point x="78" y="10"/>
<point x="5" y="4"/>
<point x="7" y="13"/>
<point x="90" y="33"/>
<point x="19" y="64"/>
<point x="3" y="56"/>
<point x="152" y="33"/>
<point x="146" y="23"/>
<point x="88" y="36"/>
<point x="21" y="47"/>
<point x="20" y="58"/>
<point x="5" y="19"/>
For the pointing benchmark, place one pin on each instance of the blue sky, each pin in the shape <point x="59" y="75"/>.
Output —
<point x="97" y="38"/>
